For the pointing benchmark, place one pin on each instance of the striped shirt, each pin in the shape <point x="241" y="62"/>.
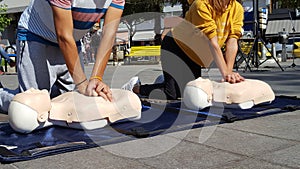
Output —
<point x="37" y="24"/>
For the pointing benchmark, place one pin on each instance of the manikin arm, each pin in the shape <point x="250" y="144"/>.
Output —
<point x="202" y="93"/>
<point x="33" y="109"/>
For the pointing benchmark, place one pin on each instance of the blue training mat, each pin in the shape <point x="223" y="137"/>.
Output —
<point x="156" y="119"/>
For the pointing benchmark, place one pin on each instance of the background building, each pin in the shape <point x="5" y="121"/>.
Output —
<point x="14" y="11"/>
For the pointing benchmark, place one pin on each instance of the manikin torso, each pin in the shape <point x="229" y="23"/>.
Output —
<point x="33" y="109"/>
<point x="202" y="93"/>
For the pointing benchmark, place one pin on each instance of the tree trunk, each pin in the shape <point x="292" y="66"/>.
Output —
<point x="157" y="27"/>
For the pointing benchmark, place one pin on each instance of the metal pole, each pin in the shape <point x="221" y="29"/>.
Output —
<point x="255" y="32"/>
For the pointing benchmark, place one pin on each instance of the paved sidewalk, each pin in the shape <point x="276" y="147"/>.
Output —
<point x="266" y="142"/>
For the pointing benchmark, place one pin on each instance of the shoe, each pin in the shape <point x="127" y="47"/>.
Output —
<point x="1" y="72"/>
<point x="12" y="63"/>
<point x="135" y="81"/>
<point x="159" y="79"/>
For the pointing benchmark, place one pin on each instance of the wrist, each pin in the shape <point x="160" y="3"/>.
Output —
<point x="80" y="83"/>
<point x="96" y="77"/>
<point x="82" y="88"/>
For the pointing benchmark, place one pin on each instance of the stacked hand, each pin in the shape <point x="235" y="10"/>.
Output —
<point x="233" y="77"/>
<point x="95" y="88"/>
<point x="98" y="88"/>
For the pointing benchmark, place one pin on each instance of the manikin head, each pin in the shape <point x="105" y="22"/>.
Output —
<point x="29" y="109"/>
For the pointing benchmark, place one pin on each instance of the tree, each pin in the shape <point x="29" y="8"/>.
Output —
<point x="138" y="11"/>
<point x="144" y="10"/>
<point x="140" y="6"/>
<point x="291" y="4"/>
<point x="4" y="19"/>
<point x="184" y="4"/>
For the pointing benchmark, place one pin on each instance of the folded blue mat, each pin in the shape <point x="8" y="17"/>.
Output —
<point x="156" y="119"/>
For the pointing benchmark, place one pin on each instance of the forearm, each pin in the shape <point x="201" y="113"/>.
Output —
<point x="231" y="51"/>
<point x="218" y="57"/>
<point x="103" y="54"/>
<point x="70" y="53"/>
<point x="111" y="24"/>
<point x="64" y="31"/>
<point x="96" y="86"/>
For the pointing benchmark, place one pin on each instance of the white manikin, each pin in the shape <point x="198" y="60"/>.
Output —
<point x="34" y="109"/>
<point x="202" y="93"/>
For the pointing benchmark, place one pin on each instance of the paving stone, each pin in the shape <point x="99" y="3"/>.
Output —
<point x="7" y="166"/>
<point x="243" y="143"/>
<point x="88" y="159"/>
<point x="143" y="148"/>
<point x="253" y="163"/>
<point x="289" y="156"/>
<point x="190" y="155"/>
<point x="273" y="126"/>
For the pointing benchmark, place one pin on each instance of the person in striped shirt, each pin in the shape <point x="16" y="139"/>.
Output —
<point x="49" y="33"/>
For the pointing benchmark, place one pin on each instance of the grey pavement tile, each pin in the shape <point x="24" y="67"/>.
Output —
<point x="164" y="151"/>
<point x="8" y="166"/>
<point x="9" y="81"/>
<point x="285" y="125"/>
<point x="190" y="155"/>
<point x="143" y="148"/>
<point x="253" y="164"/>
<point x="87" y="159"/>
<point x="289" y="156"/>
<point x="243" y="143"/>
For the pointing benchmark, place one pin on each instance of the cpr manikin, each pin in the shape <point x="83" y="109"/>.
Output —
<point x="34" y="109"/>
<point x="202" y="93"/>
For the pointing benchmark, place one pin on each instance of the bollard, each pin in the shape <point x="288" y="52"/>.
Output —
<point x="283" y="39"/>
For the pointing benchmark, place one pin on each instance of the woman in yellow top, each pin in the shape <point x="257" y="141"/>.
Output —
<point x="184" y="49"/>
<point x="221" y="21"/>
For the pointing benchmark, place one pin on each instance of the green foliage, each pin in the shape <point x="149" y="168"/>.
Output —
<point x="291" y="4"/>
<point x="139" y="6"/>
<point x="184" y="3"/>
<point x="4" y="19"/>
<point x="138" y="11"/>
<point x="134" y="9"/>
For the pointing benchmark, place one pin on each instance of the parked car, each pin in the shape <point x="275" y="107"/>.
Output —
<point x="292" y="47"/>
<point x="297" y="49"/>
